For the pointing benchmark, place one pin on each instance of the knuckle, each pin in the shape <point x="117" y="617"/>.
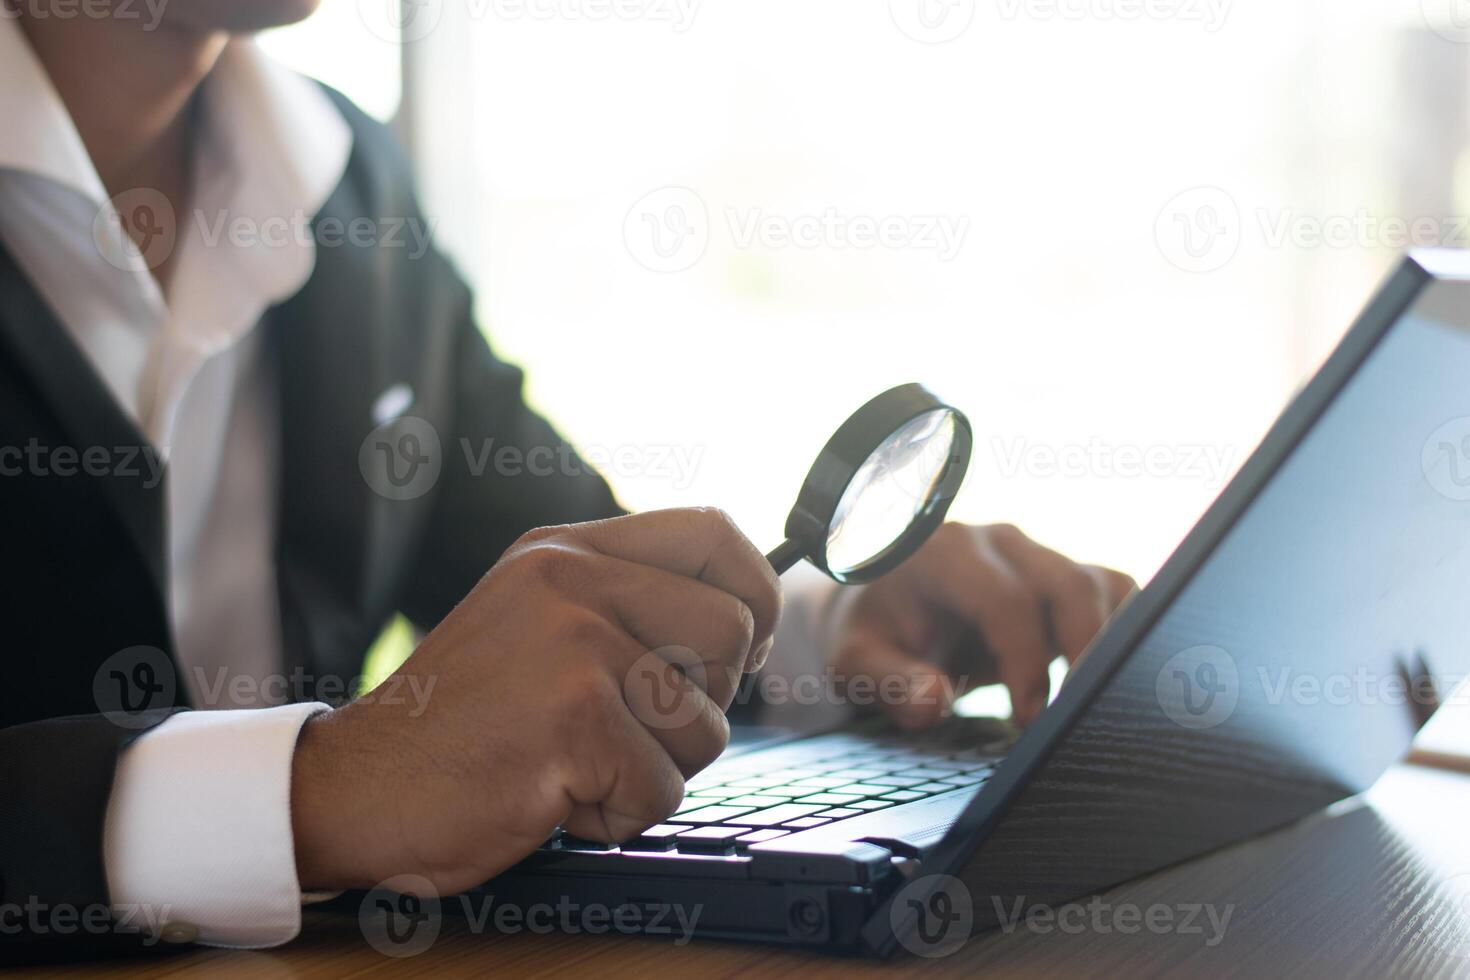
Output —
<point x="554" y="563"/>
<point x="955" y="539"/>
<point x="584" y="693"/>
<point x="744" y="623"/>
<point x="717" y="730"/>
<point x="667" y="796"/>
<point x="1079" y="584"/>
<point x="716" y="522"/>
<point x="537" y="535"/>
<point x="1006" y="534"/>
<point x="584" y="630"/>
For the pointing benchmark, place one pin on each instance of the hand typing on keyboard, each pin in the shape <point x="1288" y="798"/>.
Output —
<point x="975" y="605"/>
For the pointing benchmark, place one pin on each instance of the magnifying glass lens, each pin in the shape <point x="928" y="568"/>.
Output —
<point x="890" y="490"/>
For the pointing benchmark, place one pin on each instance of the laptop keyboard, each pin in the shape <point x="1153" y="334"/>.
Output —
<point x="770" y="793"/>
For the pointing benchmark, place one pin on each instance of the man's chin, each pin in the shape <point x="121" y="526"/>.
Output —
<point x="235" y="16"/>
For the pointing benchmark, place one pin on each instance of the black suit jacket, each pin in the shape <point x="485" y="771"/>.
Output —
<point x="85" y="645"/>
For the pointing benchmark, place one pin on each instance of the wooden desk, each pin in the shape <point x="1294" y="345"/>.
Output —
<point x="1357" y="891"/>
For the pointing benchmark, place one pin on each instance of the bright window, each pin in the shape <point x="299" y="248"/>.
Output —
<point x="1119" y="240"/>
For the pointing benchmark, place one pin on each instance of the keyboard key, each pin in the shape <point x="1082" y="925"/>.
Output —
<point x="957" y="765"/>
<point x="760" y="836"/>
<point x="839" y="813"/>
<point x="830" y="799"/>
<point x="718" y="793"/>
<point x="903" y="782"/>
<point x="708" y="840"/>
<point x="857" y="775"/>
<point x="806" y="822"/>
<point x="821" y="782"/>
<point x="792" y="775"/>
<point x="777" y="815"/>
<point x="694" y="803"/>
<point x="863" y="789"/>
<point x="959" y="780"/>
<point x="934" y="788"/>
<point x="782" y="792"/>
<point x="570" y="843"/>
<point x="927" y="772"/>
<point x="659" y="837"/>
<point x="759" y="801"/>
<point x="872" y="804"/>
<point x="758" y="782"/>
<point x="905" y="796"/>
<point x="710" y="814"/>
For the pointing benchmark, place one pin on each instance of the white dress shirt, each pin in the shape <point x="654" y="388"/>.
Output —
<point x="198" y="825"/>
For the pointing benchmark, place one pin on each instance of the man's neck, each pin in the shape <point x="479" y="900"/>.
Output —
<point x="129" y="92"/>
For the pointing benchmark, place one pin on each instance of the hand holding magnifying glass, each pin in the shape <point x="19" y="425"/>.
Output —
<point x="879" y="488"/>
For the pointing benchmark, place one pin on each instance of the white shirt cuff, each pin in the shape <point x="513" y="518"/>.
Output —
<point x="198" y="836"/>
<point x="801" y="660"/>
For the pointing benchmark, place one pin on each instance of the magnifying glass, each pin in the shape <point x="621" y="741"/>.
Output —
<point x="879" y="488"/>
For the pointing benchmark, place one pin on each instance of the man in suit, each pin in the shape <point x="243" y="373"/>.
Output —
<point x="208" y="446"/>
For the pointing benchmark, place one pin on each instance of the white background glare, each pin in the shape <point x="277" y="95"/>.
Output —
<point x="1097" y="231"/>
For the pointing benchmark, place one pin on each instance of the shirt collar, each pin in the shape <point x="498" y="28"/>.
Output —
<point x="36" y="132"/>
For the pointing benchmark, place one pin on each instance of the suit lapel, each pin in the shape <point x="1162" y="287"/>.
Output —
<point x="85" y="410"/>
<point x="337" y="540"/>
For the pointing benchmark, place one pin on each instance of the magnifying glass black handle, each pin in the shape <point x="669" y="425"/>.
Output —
<point x="786" y="554"/>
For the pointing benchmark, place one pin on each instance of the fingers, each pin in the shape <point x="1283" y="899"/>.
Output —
<point x="661" y="610"/>
<point x="667" y="699"/>
<point x="964" y="572"/>
<point x="927" y="692"/>
<point x="632" y="785"/>
<point x="1120" y="586"/>
<point x="1077" y="597"/>
<point x="697" y="543"/>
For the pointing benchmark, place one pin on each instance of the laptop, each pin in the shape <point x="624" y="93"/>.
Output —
<point x="1281" y="660"/>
